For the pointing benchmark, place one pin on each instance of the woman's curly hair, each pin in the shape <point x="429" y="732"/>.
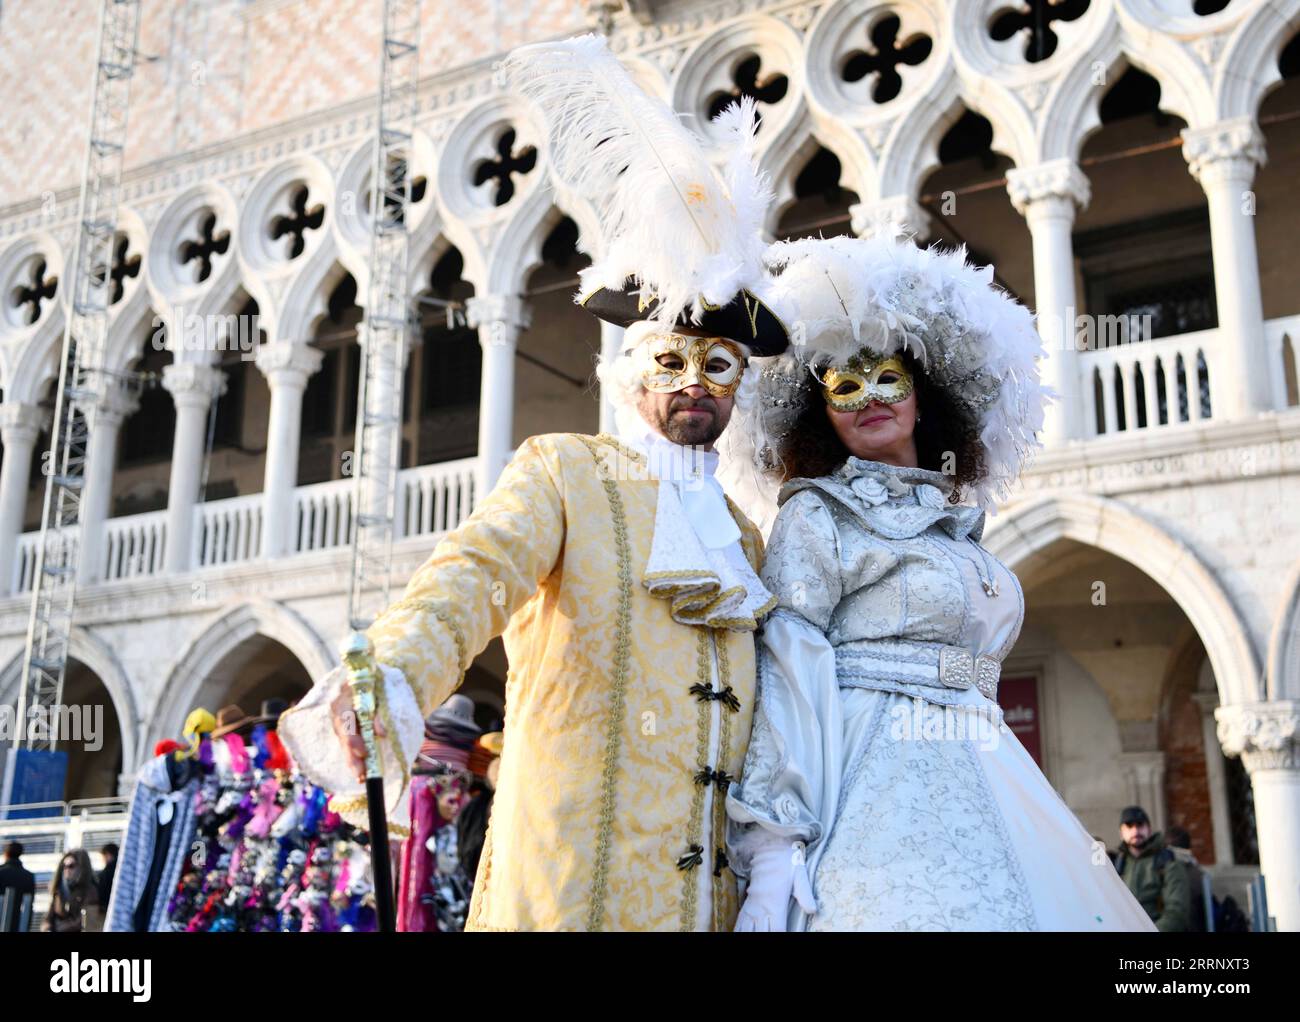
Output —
<point x="812" y="448"/>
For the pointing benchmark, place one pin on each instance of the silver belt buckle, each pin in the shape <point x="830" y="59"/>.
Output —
<point x="958" y="668"/>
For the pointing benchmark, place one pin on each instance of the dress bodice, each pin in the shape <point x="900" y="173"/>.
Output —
<point x="876" y="557"/>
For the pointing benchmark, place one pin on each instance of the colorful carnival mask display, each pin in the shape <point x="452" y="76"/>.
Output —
<point x="672" y="362"/>
<point x="864" y="378"/>
<point x="267" y="853"/>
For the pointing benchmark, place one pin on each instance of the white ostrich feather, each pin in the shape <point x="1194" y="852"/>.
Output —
<point x="686" y="231"/>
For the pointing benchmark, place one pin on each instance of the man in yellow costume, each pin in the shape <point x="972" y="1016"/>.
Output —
<point x="623" y="581"/>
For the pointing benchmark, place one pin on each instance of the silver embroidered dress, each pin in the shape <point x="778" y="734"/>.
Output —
<point x="877" y="739"/>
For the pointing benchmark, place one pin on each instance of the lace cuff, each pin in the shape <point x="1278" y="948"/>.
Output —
<point x="307" y="731"/>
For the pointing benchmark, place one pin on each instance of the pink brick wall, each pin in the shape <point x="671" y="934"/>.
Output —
<point x="224" y="69"/>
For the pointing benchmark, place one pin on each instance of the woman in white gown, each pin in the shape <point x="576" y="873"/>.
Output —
<point x="881" y="788"/>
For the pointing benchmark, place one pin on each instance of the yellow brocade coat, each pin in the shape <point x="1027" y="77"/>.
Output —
<point x="597" y="797"/>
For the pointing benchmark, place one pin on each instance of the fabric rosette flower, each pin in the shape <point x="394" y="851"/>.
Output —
<point x="870" y="489"/>
<point x="930" y="496"/>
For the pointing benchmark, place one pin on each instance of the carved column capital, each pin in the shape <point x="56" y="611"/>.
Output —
<point x="21" y="423"/>
<point x="870" y="218"/>
<point x="503" y="315"/>
<point x="1265" y="735"/>
<point x="114" y="403"/>
<point x="1059" y="183"/>
<point x="285" y="364"/>
<point x="1232" y="149"/>
<point x="192" y="384"/>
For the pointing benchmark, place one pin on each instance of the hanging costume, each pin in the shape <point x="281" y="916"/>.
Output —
<point x="433" y="887"/>
<point x="159" y="831"/>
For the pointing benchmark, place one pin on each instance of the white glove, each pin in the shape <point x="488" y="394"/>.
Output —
<point x="778" y="870"/>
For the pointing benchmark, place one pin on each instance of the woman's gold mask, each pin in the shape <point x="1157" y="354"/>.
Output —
<point x="866" y="377"/>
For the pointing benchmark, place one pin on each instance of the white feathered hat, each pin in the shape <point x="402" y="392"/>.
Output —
<point x="887" y="294"/>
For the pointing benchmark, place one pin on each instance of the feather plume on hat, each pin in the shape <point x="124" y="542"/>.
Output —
<point x="686" y="231"/>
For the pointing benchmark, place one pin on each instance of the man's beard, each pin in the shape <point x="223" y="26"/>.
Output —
<point x="690" y="430"/>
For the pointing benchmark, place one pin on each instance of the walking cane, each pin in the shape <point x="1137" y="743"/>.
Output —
<point x="363" y="676"/>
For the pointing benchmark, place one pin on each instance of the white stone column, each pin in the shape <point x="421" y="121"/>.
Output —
<point x="1047" y="196"/>
<point x="1144" y="773"/>
<point x="1215" y="777"/>
<point x="193" y="389"/>
<point x="20" y="428"/>
<point x="611" y="343"/>
<point x="1223" y="158"/>
<point x="286" y="367"/>
<point x="1267" y="738"/>
<point x="499" y="320"/>
<point x="867" y="217"/>
<point x="104" y="420"/>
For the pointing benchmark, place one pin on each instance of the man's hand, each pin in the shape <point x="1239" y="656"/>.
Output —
<point x="349" y="732"/>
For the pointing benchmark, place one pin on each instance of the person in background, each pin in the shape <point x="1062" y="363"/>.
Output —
<point x="1155" y="875"/>
<point x="1178" y="841"/>
<point x="74" y="902"/>
<point x="16" y="878"/>
<point x="104" y="879"/>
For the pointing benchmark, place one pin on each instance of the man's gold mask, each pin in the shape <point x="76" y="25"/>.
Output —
<point x="672" y="362"/>
<point x="866" y="377"/>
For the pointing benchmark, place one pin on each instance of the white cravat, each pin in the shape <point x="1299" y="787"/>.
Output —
<point x="696" y="550"/>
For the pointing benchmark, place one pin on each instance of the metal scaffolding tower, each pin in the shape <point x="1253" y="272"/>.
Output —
<point x="80" y="378"/>
<point x="387" y="319"/>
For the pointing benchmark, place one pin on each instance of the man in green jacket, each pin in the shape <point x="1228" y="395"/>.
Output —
<point x="1153" y="873"/>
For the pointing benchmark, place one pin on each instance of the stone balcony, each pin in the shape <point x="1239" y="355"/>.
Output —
<point x="432" y="499"/>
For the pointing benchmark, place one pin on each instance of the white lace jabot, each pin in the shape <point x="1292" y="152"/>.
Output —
<point x="696" y="559"/>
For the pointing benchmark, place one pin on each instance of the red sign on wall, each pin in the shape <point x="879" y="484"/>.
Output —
<point x="1018" y="698"/>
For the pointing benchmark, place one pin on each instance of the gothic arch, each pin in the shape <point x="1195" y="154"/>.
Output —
<point x="786" y="164"/>
<point x="1101" y="522"/>
<point x="912" y="150"/>
<point x="230" y="628"/>
<point x="517" y="249"/>
<point x="89" y="649"/>
<point x="1283" y="679"/>
<point x="1247" y="72"/>
<point x="37" y="361"/>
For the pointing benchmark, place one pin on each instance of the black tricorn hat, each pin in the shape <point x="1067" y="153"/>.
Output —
<point x="745" y="318"/>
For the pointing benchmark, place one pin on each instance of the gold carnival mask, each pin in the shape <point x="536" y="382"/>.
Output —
<point x="866" y="377"/>
<point x="671" y="362"/>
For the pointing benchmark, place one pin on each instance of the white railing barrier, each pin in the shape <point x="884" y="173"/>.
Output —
<point x="134" y="545"/>
<point x="25" y="563"/>
<point x="229" y="531"/>
<point x="435" y="498"/>
<point x="1283" y="339"/>
<point x="82" y="823"/>
<point x="1135" y="375"/>
<point x="323" y="513"/>
<point x="431" y="499"/>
